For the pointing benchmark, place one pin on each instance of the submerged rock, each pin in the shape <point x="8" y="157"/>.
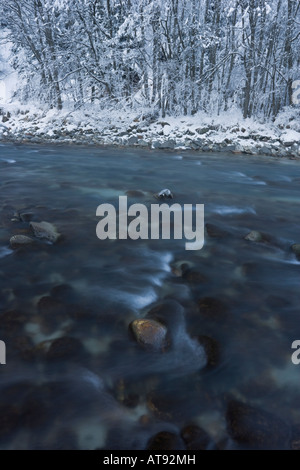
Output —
<point x="166" y="440"/>
<point x="9" y="419"/>
<point x="212" y="308"/>
<point x="167" y="406"/>
<point x="149" y="333"/>
<point x="26" y="216"/>
<point x="211" y="348"/>
<point x="45" y="230"/>
<point x="134" y="193"/>
<point x="296" y="248"/>
<point x="254" y="236"/>
<point x="49" y="306"/>
<point x="255" y="427"/>
<point x="65" y="347"/>
<point x="18" y="241"/>
<point x="295" y="441"/>
<point x="62" y="292"/>
<point x="215" y="232"/>
<point x="62" y="439"/>
<point x="195" y="438"/>
<point x="193" y="276"/>
<point x="12" y="321"/>
<point x="23" y="346"/>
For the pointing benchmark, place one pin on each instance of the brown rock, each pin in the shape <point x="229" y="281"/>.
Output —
<point x="149" y="333"/>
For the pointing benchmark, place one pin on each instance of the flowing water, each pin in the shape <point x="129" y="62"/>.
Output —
<point x="97" y="388"/>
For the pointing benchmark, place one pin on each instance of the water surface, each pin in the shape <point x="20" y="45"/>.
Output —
<point x="101" y="389"/>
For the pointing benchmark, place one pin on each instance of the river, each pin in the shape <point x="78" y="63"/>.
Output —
<point x="97" y="388"/>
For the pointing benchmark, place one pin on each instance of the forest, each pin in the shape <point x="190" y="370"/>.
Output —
<point x="175" y="57"/>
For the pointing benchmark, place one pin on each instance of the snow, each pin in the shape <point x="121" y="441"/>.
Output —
<point x="118" y="126"/>
<point x="8" y="77"/>
<point x="268" y="9"/>
<point x="290" y="136"/>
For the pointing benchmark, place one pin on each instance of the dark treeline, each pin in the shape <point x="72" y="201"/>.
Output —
<point x="174" y="56"/>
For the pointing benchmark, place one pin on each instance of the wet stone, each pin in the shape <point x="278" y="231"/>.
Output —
<point x="134" y="193"/>
<point x="193" y="276"/>
<point x="254" y="236"/>
<point x="9" y="420"/>
<point x="26" y="216"/>
<point x="63" y="439"/>
<point x="213" y="231"/>
<point x="51" y="314"/>
<point x="164" y="194"/>
<point x="23" y="346"/>
<point x="296" y="249"/>
<point x="255" y="427"/>
<point x="211" y="348"/>
<point x="131" y="400"/>
<point x="62" y="292"/>
<point x="149" y="333"/>
<point x="49" y="306"/>
<point x="166" y="406"/>
<point x="19" y="241"/>
<point x="166" y="440"/>
<point x="249" y="269"/>
<point x="35" y="411"/>
<point x="212" y="308"/>
<point x="12" y="321"/>
<point x="295" y="439"/>
<point x="64" y="348"/>
<point x="45" y="230"/>
<point x="195" y="438"/>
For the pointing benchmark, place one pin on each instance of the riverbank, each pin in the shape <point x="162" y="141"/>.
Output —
<point x="228" y="132"/>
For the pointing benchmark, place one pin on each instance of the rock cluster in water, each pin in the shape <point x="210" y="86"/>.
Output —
<point x="40" y="231"/>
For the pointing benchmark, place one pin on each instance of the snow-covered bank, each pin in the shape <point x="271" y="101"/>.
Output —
<point x="227" y="132"/>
